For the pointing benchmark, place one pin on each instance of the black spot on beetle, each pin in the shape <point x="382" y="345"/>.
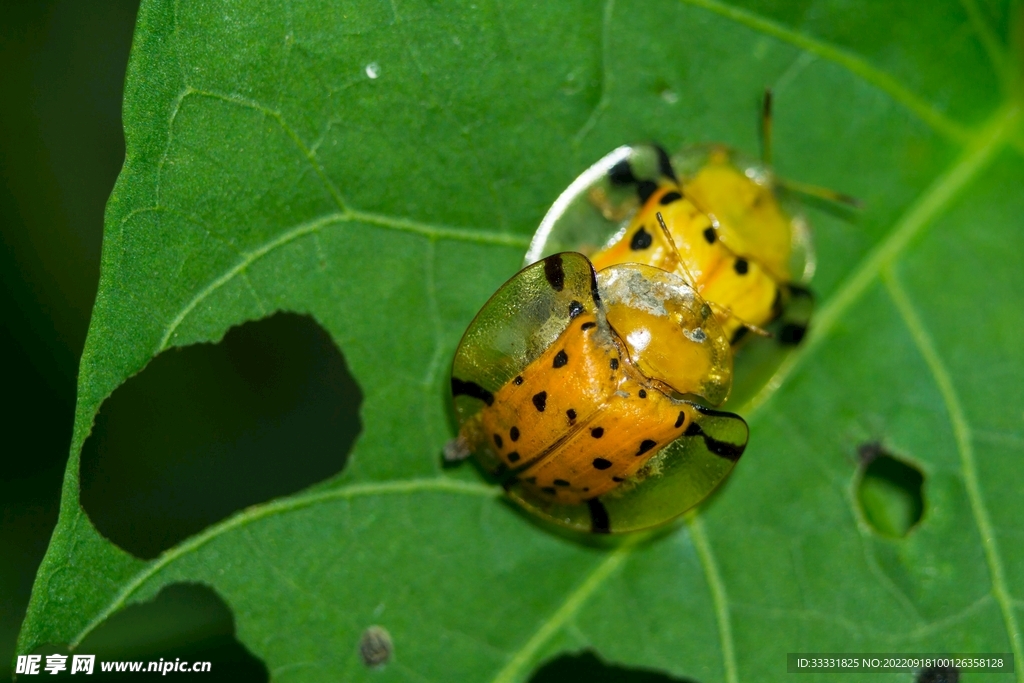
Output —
<point x="642" y="394"/>
<point x="554" y="272"/>
<point x="540" y="401"/>
<point x="670" y="197"/>
<point x="561" y="358"/>
<point x="550" y="490"/>
<point x="681" y="419"/>
<point x="514" y="433"/>
<point x="621" y="173"/>
<point x="614" y="364"/>
<point x="710" y="235"/>
<point x="644" y="190"/>
<point x="646" y="445"/>
<point x="601" y="464"/>
<point x="518" y="380"/>
<point x="597" y="432"/>
<point x="497" y="440"/>
<point x="575" y="308"/>
<point x="618" y="479"/>
<point x="587" y="325"/>
<point x="641" y="240"/>
<point x="599" y="522"/>
<point x="471" y="389"/>
<point x="560" y="482"/>
<point x="513" y="456"/>
<point x="571" y="414"/>
<point x="741" y="266"/>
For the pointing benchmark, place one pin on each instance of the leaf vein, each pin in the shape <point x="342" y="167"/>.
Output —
<point x="898" y="595"/>
<point x="278" y="507"/>
<point x="546" y="630"/>
<point x="175" y="110"/>
<point x="939" y="195"/>
<point x="280" y="120"/>
<point x="962" y="432"/>
<point x="988" y="39"/>
<point x="252" y="290"/>
<point x="719" y="597"/>
<point x="851" y="62"/>
<point x="854" y="630"/>
<point x="244" y="262"/>
<point x="314" y="226"/>
<point x="429" y="266"/>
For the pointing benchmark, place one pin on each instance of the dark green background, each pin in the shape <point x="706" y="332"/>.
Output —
<point x="61" y="71"/>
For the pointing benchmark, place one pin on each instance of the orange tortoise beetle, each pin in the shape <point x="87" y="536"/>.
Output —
<point x="575" y="388"/>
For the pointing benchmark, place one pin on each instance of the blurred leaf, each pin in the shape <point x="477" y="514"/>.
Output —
<point x="381" y="168"/>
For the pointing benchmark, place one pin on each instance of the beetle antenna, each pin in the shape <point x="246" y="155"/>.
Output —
<point x="725" y="313"/>
<point x="680" y="266"/>
<point x="722" y="311"/>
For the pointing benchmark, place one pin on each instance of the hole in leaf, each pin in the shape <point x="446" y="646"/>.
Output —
<point x="186" y="622"/>
<point x="588" y="667"/>
<point x="939" y="674"/>
<point x="212" y="428"/>
<point x="889" y="492"/>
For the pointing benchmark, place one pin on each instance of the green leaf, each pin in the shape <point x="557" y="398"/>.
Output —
<point x="381" y="167"/>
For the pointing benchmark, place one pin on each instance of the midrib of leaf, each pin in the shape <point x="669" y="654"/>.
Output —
<point x="279" y="507"/>
<point x="965" y="446"/>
